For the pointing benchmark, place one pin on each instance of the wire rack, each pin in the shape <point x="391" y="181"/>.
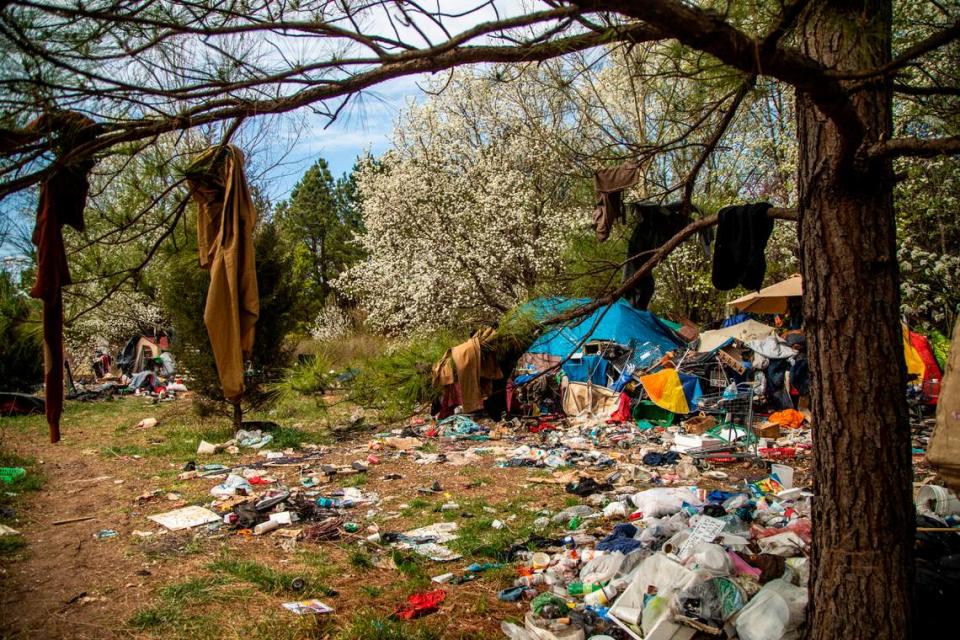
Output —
<point x="733" y="409"/>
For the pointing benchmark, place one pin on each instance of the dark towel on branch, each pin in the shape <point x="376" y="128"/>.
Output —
<point x="738" y="255"/>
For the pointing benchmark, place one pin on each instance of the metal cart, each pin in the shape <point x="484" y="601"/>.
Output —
<point x="733" y="408"/>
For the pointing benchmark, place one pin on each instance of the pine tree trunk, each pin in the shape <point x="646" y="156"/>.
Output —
<point x="862" y="564"/>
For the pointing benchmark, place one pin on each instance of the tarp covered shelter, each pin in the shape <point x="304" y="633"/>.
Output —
<point x="772" y="299"/>
<point x="618" y="322"/>
<point x="744" y="332"/>
<point x="138" y="350"/>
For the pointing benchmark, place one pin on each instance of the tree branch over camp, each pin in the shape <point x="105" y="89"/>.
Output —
<point x="869" y="89"/>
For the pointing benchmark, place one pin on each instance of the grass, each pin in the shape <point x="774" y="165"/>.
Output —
<point x="356" y="480"/>
<point x="10" y="545"/>
<point x="410" y="566"/>
<point x="268" y="579"/>
<point x="366" y="625"/>
<point x="175" y="601"/>
<point x="360" y="559"/>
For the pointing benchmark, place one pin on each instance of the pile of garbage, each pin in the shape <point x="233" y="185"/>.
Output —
<point x="678" y="560"/>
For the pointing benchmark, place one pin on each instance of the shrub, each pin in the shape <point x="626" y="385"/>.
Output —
<point x="183" y="294"/>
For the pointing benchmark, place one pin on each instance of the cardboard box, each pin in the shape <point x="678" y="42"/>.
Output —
<point x="699" y="424"/>
<point x="768" y="430"/>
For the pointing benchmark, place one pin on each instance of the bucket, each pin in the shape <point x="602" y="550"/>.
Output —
<point x="939" y="500"/>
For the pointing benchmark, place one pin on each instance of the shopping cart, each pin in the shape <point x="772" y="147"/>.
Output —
<point x="733" y="409"/>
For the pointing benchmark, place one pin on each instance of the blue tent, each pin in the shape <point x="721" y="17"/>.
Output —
<point x="620" y="323"/>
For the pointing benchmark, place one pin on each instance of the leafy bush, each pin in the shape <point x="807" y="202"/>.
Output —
<point x="183" y="294"/>
<point x="398" y="380"/>
<point x="21" y="338"/>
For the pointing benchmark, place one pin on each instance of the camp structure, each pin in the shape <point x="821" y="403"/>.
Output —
<point x="772" y="299"/>
<point x="140" y="349"/>
<point x="743" y="331"/>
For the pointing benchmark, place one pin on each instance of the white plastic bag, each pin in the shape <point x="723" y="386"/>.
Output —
<point x="775" y="613"/>
<point x="602" y="568"/>
<point x="664" y="501"/>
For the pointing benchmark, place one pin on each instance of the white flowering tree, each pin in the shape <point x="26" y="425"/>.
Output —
<point x="465" y="216"/>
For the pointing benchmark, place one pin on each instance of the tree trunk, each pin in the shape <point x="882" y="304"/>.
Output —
<point x="862" y="563"/>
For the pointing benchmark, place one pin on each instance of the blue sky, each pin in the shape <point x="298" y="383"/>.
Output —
<point x="366" y="125"/>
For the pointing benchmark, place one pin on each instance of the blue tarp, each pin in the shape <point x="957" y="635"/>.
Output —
<point x="621" y="324"/>
<point x="592" y="367"/>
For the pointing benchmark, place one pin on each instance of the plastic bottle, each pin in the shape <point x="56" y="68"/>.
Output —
<point x="329" y="503"/>
<point x="583" y="588"/>
<point x="574" y="523"/>
<point x="265" y="527"/>
<point x="600" y="597"/>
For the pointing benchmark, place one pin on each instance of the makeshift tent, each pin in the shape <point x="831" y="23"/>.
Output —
<point x="618" y="322"/>
<point x="135" y="354"/>
<point x="772" y="299"/>
<point x="744" y="332"/>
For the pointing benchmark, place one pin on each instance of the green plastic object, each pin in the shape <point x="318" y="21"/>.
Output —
<point x="8" y="475"/>
<point x="648" y="411"/>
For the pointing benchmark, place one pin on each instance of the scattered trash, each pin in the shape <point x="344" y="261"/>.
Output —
<point x="185" y="518"/>
<point x="304" y="607"/>
<point x="103" y="534"/>
<point x="421" y="604"/>
<point x="8" y="531"/>
<point x="147" y="423"/>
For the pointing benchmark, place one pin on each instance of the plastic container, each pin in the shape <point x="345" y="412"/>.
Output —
<point x="8" y="475"/>
<point x="939" y="500"/>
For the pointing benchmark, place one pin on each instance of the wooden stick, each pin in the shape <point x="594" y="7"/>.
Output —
<point x="937" y="530"/>
<point x="72" y="520"/>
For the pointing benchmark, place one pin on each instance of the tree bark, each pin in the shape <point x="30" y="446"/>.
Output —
<point x="862" y="564"/>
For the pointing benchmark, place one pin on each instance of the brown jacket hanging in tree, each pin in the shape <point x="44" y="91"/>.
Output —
<point x="609" y="185"/>
<point x="225" y="223"/>
<point x="63" y="196"/>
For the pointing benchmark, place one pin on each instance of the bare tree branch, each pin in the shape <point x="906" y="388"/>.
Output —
<point x="915" y="147"/>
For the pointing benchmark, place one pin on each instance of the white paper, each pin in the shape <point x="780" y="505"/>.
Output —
<point x="705" y="530"/>
<point x="185" y="518"/>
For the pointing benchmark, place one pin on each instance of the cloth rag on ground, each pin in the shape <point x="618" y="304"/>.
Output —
<point x="738" y="254"/>
<point x="621" y="539"/>
<point x="63" y="197"/>
<point x="225" y="222"/>
<point x="788" y="418"/>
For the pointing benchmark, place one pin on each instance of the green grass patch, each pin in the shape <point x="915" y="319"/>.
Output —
<point x="371" y="591"/>
<point x="355" y="480"/>
<point x="410" y="566"/>
<point x="10" y="545"/>
<point x="366" y="625"/>
<point x="268" y="579"/>
<point x="360" y="559"/>
<point x="199" y="590"/>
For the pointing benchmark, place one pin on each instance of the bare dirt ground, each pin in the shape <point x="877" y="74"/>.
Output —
<point x="218" y="584"/>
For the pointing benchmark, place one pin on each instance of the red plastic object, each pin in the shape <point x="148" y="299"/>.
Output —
<point x="778" y="453"/>
<point x="543" y="426"/>
<point x="372" y="459"/>
<point x="421" y="604"/>
<point x="257" y="480"/>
